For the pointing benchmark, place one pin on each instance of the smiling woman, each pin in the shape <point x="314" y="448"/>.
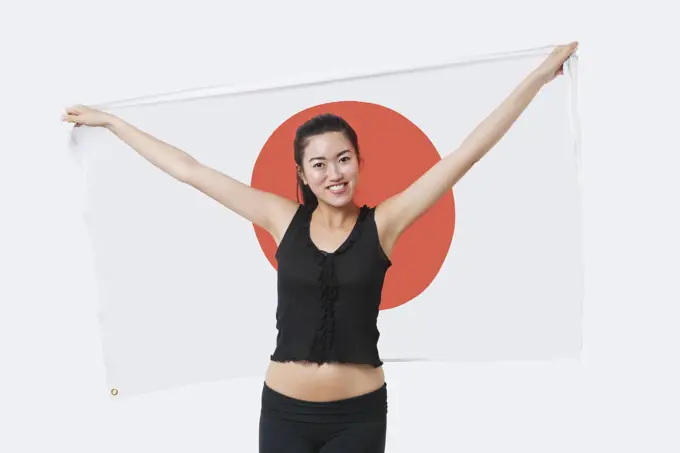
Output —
<point x="326" y="152"/>
<point x="325" y="390"/>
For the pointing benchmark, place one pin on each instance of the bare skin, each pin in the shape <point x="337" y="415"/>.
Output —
<point x="330" y="159"/>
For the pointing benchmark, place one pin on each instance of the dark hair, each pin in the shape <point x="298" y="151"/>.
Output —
<point x="320" y="124"/>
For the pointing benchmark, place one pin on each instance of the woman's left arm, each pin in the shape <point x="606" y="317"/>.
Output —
<point x="398" y="212"/>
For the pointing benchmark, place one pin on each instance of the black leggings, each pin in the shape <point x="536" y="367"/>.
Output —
<point x="356" y="425"/>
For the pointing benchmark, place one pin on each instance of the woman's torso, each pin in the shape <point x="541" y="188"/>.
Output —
<point x="327" y="313"/>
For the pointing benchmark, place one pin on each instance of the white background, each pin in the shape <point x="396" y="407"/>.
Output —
<point x="621" y="396"/>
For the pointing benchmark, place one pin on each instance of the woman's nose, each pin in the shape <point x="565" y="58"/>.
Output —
<point x="333" y="172"/>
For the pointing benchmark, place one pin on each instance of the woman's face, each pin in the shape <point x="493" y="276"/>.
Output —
<point x="330" y="167"/>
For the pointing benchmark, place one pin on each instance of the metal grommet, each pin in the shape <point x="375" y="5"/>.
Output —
<point x="114" y="392"/>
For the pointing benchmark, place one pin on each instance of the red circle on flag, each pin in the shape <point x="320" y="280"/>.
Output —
<point x="395" y="153"/>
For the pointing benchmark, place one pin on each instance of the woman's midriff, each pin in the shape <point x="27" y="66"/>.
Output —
<point x="326" y="382"/>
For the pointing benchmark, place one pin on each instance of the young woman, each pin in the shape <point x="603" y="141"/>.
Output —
<point x="325" y="389"/>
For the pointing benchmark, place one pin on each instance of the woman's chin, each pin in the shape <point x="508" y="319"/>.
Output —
<point x="338" y="200"/>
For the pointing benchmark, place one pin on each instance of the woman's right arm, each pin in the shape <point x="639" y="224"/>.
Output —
<point x="267" y="210"/>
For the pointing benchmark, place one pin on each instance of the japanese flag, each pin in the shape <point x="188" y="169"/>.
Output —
<point x="494" y="271"/>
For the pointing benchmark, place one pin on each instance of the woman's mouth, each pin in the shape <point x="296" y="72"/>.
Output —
<point x="338" y="189"/>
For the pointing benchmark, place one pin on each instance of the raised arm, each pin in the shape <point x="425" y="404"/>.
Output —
<point x="398" y="212"/>
<point x="267" y="210"/>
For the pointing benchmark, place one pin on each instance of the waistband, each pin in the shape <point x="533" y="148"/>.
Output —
<point x="369" y="406"/>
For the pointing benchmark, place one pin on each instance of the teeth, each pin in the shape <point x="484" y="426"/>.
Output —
<point x="336" y="187"/>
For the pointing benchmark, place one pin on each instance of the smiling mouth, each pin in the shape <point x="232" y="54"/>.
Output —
<point x="338" y="188"/>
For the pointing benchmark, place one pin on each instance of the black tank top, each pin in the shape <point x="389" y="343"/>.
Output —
<point x="328" y="303"/>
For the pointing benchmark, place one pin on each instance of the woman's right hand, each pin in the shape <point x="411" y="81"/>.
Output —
<point x="81" y="115"/>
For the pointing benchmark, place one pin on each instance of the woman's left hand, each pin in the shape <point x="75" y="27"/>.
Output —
<point x="553" y="66"/>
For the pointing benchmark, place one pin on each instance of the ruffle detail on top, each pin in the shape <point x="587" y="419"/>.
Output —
<point x="322" y="348"/>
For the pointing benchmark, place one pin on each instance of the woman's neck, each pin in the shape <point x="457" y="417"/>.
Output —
<point x="336" y="218"/>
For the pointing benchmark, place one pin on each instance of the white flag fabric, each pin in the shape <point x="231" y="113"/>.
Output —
<point x="494" y="271"/>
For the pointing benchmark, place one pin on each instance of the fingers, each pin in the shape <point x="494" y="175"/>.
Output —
<point x="568" y="49"/>
<point x="563" y="48"/>
<point x="76" y="109"/>
<point x="71" y="114"/>
<point x="69" y="118"/>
